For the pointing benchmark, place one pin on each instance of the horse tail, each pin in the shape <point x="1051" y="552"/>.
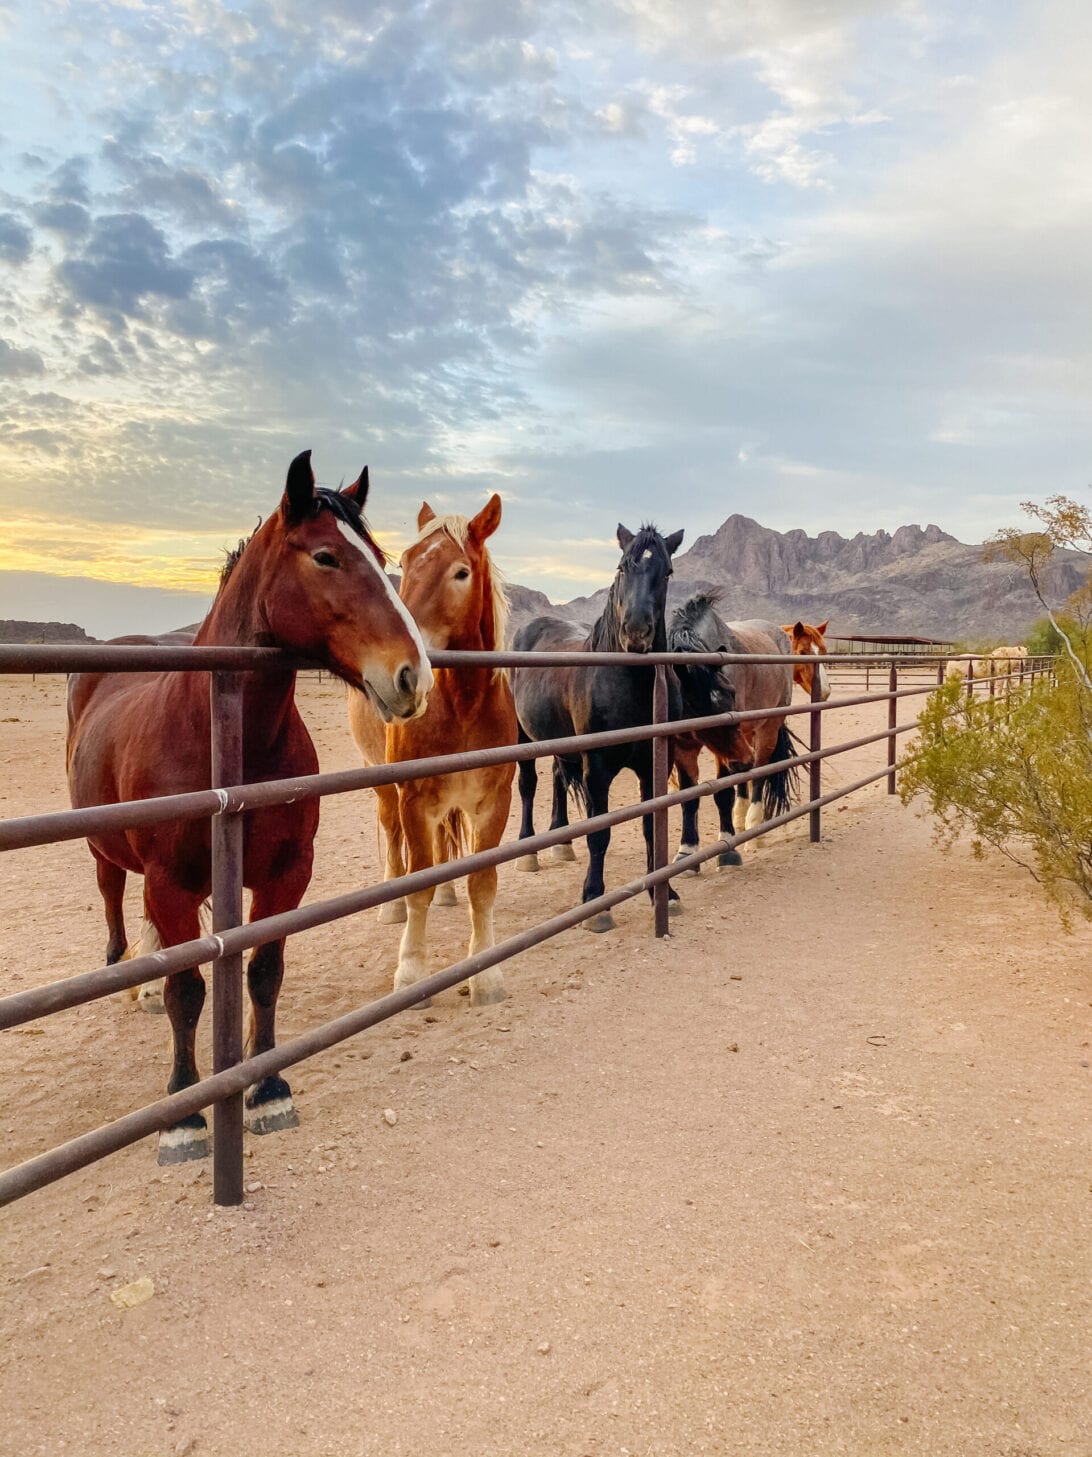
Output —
<point x="572" y="776"/>
<point x="778" y="789"/>
<point x="452" y="832"/>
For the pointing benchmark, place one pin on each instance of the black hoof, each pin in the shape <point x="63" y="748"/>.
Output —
<point x="729" y="857"/>
<point x="269" y="1108"/>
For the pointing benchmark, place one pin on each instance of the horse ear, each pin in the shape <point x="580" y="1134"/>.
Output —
<point x="787" y="628"/>
<point x="487" y="520"/>
<point x="798" y="629"/>
<point x="358" y="491"/>
<point x="625" y="538"/>
<point x="299" y="488"/>
<point x="673" y="542"/>
<point x="822" y="628"/>
<point x="425" y="515"/>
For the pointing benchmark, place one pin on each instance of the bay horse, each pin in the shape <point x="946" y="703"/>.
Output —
<point x="456" y="595"/>
<point x="697" y="627"/>
<point x="310" y="580"/>
<point x="555" y="702"/>
<point x="809" y="641"/>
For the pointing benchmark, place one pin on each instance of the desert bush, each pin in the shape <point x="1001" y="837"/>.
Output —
<point x="1016" y="775"/>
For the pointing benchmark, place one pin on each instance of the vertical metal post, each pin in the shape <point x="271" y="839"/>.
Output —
<point x="815" y="768"/>
<point x="226" y="692"/>
<point x="941" y="669"/>
<point x="659" y="787"/>
<point x="892" y="685"/>
<point x="970" y="679"/>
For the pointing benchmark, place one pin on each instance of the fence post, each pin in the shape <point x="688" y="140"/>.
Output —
<point x="970" y="679"/>
<point x="226" y="692"/>
<point x="892" y="719"/>
<point x="941" y="668"/>
<point x="659" y="787"/>
<point x="815" y="767"/>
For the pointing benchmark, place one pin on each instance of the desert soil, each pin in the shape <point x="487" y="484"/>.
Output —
<point x="811" y="1177"/>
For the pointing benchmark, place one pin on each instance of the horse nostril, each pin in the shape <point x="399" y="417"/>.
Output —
<point x="406" y="680"/>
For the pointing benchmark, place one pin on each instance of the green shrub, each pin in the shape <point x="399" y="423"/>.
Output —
<point x="1016" y="775"/>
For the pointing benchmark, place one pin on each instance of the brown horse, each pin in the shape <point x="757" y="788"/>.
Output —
<point x="453" y="590"/>
<point x="737" y="687"/>
<point x="809" y="641"/>
<point x="311" y="581"/>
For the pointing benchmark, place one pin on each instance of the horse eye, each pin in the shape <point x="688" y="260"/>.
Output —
<point x="462" y="574"/>
<point x="323" y="558"/>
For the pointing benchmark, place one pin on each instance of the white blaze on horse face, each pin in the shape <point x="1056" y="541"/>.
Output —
<point x="424" y="674"/>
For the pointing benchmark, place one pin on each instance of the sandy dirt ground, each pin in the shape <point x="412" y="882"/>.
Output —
<point x="811" y="1177"/>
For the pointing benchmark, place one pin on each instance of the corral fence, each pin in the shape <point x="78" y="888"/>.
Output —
<point x="227" y="798"/>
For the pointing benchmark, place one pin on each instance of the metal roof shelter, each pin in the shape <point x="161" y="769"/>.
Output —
<point x="873" y="643"/>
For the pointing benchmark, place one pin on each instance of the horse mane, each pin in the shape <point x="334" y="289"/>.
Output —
<point x="603" y="637"/>
<point x="458" y="529"/>
<point x="344" y="508"/>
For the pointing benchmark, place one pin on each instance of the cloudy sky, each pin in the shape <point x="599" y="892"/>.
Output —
<point x="824" y="262"/>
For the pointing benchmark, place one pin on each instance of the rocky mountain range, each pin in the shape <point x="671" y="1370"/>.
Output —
<point x="13" y="630"/>
<point x="921" y="583"/>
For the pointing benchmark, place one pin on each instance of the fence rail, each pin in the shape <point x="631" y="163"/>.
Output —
<point x="228" y="799"/>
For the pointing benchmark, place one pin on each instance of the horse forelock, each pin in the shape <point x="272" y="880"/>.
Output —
<point x="342" y="508"/>
<point x="457" y="528"/>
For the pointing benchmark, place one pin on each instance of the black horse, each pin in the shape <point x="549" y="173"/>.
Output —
<point x="697" y="627"/>
<point x="554" y="702"/>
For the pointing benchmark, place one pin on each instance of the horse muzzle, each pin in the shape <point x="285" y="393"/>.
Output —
<point x="401" y="694"/>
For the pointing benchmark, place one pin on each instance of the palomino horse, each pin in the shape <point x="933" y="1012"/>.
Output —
<point x="809" y="641"/>
<point x="554" y="702"/>
<point x="1004" y="662"/>
<point x="456" y="596"/>
<point x="310" y="580"/>
<point x="697" y="627"/>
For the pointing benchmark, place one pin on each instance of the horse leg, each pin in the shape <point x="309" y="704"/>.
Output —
<point x="175" y="917"/>
<point x="674" y="904"/>
<point x="741" y="808"/>
<point x="481" y="887"/>
<point x="443" y="851"/>
<point x="418" y="832"/>
<point x="598" y="781"/>
<point x="725" y="801"/>
<point x="560" y="854"/>
<point x="690" y="840"/>
<point x="268" y="1106"/>
<point x="391" y="913"/>
<point x="765" y="745"/>
<point x="528" y="784"/>
<point x="111" y="879"/>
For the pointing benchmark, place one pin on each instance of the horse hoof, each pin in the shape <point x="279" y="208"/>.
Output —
<point x="150" y="999"/>
<point x="527" y="862"/>
<point x="729" y="857"/>
<point x="562" y="854"/>
<point x="392" y="913"/>
<point x="684" y="853"/>
<point x="674" y="908"/>
<point x="488" y="995"/>
<point x="445" y="895"/>
<point x="269" y="1108"/>
<point x="184" y="1141"/>
<point x="603" y="921"/>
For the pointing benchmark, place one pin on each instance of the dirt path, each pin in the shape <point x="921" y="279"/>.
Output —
<point x="777" y="1186"/>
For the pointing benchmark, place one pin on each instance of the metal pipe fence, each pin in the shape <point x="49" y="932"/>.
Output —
<point x="228" y="799"/>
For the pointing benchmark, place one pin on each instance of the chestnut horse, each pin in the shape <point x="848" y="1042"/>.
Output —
<point x="697" y="627"/>
<point x="456" y="596"/>
<point x="809" y="641"/>
<point x="311" y="581"/>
